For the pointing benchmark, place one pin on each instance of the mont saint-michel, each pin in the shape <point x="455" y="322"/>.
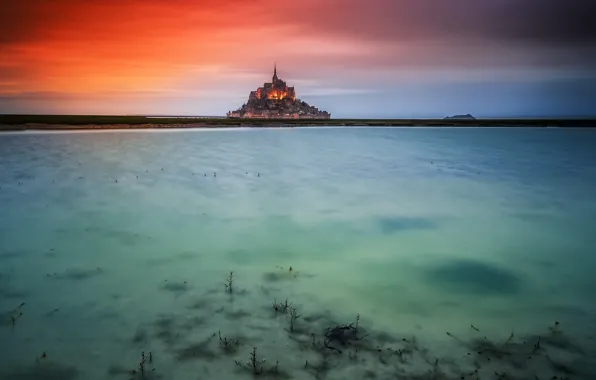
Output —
<point x="275" y="100"/>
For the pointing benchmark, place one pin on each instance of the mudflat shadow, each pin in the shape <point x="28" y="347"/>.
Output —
<point x="393" y="224"/>
<point x="43" y="370"/>
<point x="175" y="287"/>
<point x="12" y="254"/>
<point x="473" y="277"/>
<point x="76" y="274"/>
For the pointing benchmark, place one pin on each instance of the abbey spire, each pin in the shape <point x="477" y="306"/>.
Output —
<point x="274" y="72"/>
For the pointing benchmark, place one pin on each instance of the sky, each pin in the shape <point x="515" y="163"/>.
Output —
<point x="353" y="58"/>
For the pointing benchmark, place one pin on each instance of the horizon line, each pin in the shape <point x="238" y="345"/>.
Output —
<point x="154" y="116"/>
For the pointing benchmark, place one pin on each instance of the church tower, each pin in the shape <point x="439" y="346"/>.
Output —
<point x="274" y="73"/>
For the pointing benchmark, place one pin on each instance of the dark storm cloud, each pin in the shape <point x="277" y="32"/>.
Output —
<point x="543" y="22"/>
<point x="455" y="32"/>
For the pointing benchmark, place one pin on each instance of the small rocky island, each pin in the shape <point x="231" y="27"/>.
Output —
<point x="275" y="100"/>
<point x="461" y="117"/>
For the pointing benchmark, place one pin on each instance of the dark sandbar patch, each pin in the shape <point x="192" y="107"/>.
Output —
<point x="192" y="322"/>
<point x="77" y="274"/>
<point x="51" y="253"/>
<point x="140" y="336"/>
<point x="199" y="304"/>
<point x="12" y="294"/>
<point x="13" y="254"/>
<point x="175" y="287"/>
<point x="284" y="274"/>
<point x="390" y="225"/>
<point x="474" y="277"/>
<point x="277" y="276"/>
<point x="197" y="351"/>
<point x="43" y="370"/>
<point x="237" y="314"/>
<point x="171" y="329"/>
<point x="165" y="330"/>
<point x="127" y="238"/>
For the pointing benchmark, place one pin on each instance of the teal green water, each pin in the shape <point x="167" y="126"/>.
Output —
<point x="130" y="236"/>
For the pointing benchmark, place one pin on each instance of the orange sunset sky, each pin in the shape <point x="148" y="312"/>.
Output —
<point x="354" y="58"/>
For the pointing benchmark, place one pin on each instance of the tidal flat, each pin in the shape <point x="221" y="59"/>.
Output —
<point x="345" y="253"/>
<point x="127" y="122"/>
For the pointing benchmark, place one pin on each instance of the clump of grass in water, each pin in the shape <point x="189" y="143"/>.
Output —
<point x="336" y="337"/>
<point x="343" y="334"/>
<point x="291" y="272"/>
<point x="229" y="283"/>
<point x="508" y="352"/>
<point x="281" y="307"/>
<point x="228" y="345"/>
<point x="293" y="317"/>
<point x="41" y="357"/>
<point x="16" y="314"/>
<point x="142" y="371"/>
<point x="520" y="354"/>
<point x="254" y="364"/>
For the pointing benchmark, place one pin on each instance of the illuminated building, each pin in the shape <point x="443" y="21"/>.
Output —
<point x="275" y="100"/>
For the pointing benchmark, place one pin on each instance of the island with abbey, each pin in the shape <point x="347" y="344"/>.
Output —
<point x="275" y="100"/>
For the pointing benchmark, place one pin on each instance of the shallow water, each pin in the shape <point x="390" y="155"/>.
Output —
<point x="121" y="242"/>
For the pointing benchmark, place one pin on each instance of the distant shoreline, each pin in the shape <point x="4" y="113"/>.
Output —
<point x="81" y="122"/>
